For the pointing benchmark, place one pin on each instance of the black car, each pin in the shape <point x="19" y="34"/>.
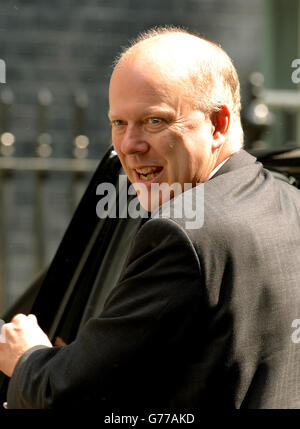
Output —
<point x="93" y="252"/>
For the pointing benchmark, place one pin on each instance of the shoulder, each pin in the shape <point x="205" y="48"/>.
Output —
<point x="162" y="232"/>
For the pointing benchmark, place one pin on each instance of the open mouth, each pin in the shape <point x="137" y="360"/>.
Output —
<point x="148" y="173"/>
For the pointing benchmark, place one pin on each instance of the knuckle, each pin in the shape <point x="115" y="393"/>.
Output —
<point x="6" y="329"/>
<point x="32" y="317"/>
<point x="18" y="318"/>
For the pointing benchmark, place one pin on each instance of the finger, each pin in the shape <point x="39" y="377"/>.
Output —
<point x="3" y="333"/>
<point x="33" y="318"/>
<point x="7" y="331"/>
<point x="18" y="319"/>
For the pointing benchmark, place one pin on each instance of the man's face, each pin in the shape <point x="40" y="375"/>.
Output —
<point x="156" y="133"/>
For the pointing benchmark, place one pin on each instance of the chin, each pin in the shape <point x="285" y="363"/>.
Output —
<point x="147" y="204"/>
<point x="152" y="199"/>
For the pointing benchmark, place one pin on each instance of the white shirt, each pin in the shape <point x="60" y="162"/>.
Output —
<point x="216" y="169"/>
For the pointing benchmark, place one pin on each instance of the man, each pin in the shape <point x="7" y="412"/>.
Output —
<point x="201" y="317"/>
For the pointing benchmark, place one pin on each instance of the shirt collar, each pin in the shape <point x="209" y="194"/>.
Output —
<point x="216" y="169"/>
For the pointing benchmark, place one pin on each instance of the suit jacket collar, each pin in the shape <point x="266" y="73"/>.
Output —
<point x="237" y="160"/>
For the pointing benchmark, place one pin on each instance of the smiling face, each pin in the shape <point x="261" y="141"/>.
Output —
<point x="157" y="134"/>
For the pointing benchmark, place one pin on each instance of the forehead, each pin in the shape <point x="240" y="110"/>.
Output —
<point x="144" y="85"/>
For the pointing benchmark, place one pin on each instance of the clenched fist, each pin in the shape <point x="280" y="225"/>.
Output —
<point x="22" y="333"/>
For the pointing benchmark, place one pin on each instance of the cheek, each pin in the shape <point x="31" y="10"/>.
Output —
<point x="115" y="143"/>
<point x="117" y="146"/>
<point x="168" y="144"/>
<point x="122" y="159"/>
<point x="117" y="136"/>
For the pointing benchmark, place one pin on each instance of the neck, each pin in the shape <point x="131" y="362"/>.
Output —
<point x="225" y="152"/>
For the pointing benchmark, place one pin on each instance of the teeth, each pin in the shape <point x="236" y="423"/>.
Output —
<point x="146" y="170"/>
<point x="148" y="177"/>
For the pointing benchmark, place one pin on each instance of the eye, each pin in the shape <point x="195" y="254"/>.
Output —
<point x="117" y="123"/>
<point x="155" y="121"/>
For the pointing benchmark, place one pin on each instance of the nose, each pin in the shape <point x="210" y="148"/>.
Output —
<point x="133" y="141"/>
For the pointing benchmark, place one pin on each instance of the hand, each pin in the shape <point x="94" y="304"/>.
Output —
<point x="22" y="333"/>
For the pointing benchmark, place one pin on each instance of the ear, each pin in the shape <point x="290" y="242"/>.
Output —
<point x="220" y="121"/>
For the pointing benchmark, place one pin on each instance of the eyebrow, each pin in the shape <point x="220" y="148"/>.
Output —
<point x="155" y="111"/>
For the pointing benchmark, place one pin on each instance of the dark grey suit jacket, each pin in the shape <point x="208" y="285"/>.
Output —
<point x="200" y="318"/>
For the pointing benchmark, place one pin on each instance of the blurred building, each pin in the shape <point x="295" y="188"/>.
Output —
<point x="61" y="51"/>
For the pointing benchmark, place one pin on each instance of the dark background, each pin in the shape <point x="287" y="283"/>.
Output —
<point x="68" y="46"/>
